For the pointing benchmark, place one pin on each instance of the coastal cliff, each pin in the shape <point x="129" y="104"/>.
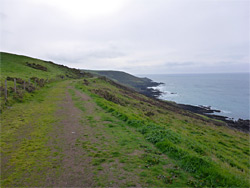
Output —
<point x="60" y="126"/>
<point x="144" y="86"/>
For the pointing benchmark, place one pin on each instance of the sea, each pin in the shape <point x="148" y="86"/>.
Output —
<point x="227" y="92"/>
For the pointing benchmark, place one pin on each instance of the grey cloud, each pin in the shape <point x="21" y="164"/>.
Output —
<point x="105" y="54"/>
<point x="177" y="64"/>
<point x="3" y="16"/>
<point x="145" y="36"/>
<point x="85" y="57"/>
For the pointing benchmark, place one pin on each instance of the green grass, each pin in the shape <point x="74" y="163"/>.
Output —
<point x="15" y="66"/>
<point x="124" y="78"/>
<point x="117" y="144"/>
<point x="217" y="156"/>
<point x="25" y="153"/>
<point x="129" y="139"/>
<point x="77" y="100"/>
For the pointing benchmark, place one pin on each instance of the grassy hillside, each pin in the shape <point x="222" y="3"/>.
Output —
<point x="91" y="132"/>
<point x="217" y="156"/>
<point x="17" y="66"/>
<point x="34" y="72"/>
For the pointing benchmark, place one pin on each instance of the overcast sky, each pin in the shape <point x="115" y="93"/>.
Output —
<point x="137" y="36"/>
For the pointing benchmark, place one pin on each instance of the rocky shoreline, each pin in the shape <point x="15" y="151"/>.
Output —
<point x="240" y="124"/>
<point x="148" y="90"/>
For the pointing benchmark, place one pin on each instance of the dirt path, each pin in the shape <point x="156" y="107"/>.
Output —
<point x="95" y="149"/>
<point x="76" y="171"/>
<point x="72" y="142"/>
<point x="85" y="147"/>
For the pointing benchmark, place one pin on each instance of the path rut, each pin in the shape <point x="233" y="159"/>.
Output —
<point x="76" y="171"/>
<point x="87" y="148"/>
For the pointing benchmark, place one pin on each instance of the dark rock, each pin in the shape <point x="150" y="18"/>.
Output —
<point x="149" y="92"/>
<point x="242" y="125"/>
<point x="197" y="109"/>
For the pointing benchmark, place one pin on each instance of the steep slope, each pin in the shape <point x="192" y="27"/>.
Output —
<point x="30" y="74"/>
<point x="95" y="132"/>
<point x="28" y="67"/>
<point x="218" y="156"/>
<point x="139" y="84"/>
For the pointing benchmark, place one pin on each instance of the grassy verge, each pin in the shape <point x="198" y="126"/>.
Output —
<point x="25" y="127"/>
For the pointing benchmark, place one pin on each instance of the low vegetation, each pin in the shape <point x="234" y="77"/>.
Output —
<point x="25" y="153"/>
<point x="123" y="138"/>
<point x="139" y="84"/>
<point x="30" y="74"/>
<point x="217" y="156"/>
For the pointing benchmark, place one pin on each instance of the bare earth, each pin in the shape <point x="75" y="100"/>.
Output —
<point x="76" y="171"/>
<point x="70" y="134"/>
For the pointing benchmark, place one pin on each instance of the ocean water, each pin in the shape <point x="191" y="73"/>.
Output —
<point x="226" y="92"/>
